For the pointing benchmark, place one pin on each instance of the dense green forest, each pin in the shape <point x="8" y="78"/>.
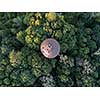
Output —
<point x="23" y="64"/>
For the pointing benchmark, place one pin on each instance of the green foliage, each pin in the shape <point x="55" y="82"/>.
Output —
<point x="22" y="63"/>
<point x="40" y="65"/>
<point x="15" y="58"/>
<point x="27" y="78"/>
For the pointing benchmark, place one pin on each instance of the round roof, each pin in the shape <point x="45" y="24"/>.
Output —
<point x="50" y="48"/>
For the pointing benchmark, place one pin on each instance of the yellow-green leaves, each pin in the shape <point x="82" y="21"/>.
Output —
<point x="51" y="16"/>
<point x="20" y="36"/>
<point x="28" y="39"/>
<point x="37" y="22"/>
<point x="15" y="58"/>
